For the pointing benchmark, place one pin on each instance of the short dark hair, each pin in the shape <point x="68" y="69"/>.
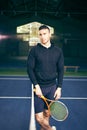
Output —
<point x="44" y="27"/>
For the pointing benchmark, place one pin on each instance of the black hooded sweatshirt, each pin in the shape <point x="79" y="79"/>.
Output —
<point x="45" y="66"/>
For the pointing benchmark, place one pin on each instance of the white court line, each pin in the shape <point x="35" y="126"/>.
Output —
<point x="66" y="98"/>
<point x="70" y="79"/>
<point x="14" y="78"/>
<point x="75" y="79"/>
<point x="8" y="97"/>
<point x="74" y="98"/>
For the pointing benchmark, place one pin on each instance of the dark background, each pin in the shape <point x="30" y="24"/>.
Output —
<point x="68" y="17"/>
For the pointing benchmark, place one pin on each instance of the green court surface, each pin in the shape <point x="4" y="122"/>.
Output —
<point x="13" y="71"/>
<point x="23" y="71"/>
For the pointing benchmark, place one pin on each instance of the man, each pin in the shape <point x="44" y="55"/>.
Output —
<point x="45" y="67"/>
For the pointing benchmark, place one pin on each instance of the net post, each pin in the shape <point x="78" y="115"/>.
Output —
<point x="32" y="125"/>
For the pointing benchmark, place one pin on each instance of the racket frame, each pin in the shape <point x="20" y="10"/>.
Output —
<point x="46" y="100"/>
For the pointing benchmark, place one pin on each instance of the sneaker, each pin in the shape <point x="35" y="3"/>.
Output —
<point x="54" y="128"/>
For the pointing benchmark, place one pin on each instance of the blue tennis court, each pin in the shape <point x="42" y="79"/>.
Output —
<point x="15" y="103"/>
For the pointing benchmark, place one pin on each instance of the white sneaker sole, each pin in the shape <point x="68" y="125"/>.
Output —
<point x="54" y="128"/>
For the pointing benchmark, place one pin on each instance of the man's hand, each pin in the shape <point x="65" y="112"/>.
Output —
<point x="38" y="90"/>
<point x="57" y="94"/>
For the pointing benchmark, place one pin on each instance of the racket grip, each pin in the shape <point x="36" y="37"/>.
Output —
<point x="34" y="90"/>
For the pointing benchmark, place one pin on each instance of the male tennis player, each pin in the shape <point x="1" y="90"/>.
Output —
<point x="45" y="65"/>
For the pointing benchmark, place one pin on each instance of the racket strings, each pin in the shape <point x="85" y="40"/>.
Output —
<point x="58" y="111"/>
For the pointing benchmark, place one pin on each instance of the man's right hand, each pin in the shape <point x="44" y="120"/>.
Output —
<point x="38" y="90"/>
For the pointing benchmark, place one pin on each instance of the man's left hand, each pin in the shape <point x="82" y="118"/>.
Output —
<point x="57" y="94"/>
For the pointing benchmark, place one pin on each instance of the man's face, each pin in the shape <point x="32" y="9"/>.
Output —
<point x="44" y="36"/>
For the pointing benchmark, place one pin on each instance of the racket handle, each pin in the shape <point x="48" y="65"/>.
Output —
<point x="34" y="90"/>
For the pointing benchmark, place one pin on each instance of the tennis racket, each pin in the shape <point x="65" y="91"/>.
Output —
<point x="57" y="109"/>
